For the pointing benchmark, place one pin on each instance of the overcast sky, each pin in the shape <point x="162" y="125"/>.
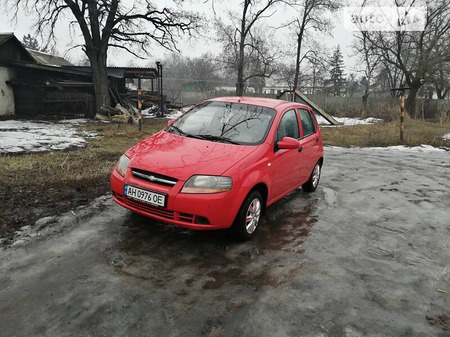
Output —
<point x="192" y="48"/>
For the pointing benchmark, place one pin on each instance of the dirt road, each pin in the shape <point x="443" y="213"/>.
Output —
<point x="367" y="254"/>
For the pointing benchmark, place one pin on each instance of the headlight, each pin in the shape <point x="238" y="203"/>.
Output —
<point x="207" y="184"/>
<point x="122" y="165"/>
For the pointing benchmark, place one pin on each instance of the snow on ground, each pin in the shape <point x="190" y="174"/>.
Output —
<point x="18" y="136"/>
<point x="446" y="136"/>
<point x="402" y="148"/>
<point x="172" y="114"/>
<point x="349" y="121"/>
<point x="38" y="136"/>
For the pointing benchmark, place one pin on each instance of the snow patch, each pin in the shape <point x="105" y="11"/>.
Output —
<point x="446" y="136"/>
<point x="39" y="136"/>
<point x="346" y="121"/>
<point x="400" y="148"/>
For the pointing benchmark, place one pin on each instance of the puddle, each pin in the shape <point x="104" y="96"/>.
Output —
<point x="180" y="259"/>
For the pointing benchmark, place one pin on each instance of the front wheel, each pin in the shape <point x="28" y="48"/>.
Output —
<point x="313" y="182"/>
<point x="249" y="215"/>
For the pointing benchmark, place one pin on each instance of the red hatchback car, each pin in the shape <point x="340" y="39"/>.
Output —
<point x="221" y="164"/>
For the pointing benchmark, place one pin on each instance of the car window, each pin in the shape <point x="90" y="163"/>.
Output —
<point x="288" y="126"/>
<point x="307" y="123"/>
<point x="240" y="123"/>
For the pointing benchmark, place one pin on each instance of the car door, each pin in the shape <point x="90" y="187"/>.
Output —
<point x="309" y="142"/>
<point x="286" y="162"/>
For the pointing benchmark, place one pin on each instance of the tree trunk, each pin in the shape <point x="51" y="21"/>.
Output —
<point x="364" y="101"/>
<point x="297" y="60"/>
<point x="240" y="65"/>
<point x="100" y="80"/>
<point x="411" y="100"/>
<point x="240" y="72"/>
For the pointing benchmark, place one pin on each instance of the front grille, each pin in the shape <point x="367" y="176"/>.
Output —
<point x="186" y="217"/>
<point x="166" y="214"/>
<point x="151" y="209"/>
<point x="154" y="177"/>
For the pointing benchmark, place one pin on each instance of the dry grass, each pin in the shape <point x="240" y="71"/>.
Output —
<point x="77" y="167"/>
<point x="415" y="133"/>
<point x="37" y="185"/>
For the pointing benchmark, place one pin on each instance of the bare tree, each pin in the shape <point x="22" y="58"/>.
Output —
<point x="244" y="44"/>
<point x="418" y="54"/>
<point x="196" y="74"/>
<point x="389" y="77"/>
<point x="370" y="58"/>
<point x="441" y="80"/>
<point x="310" y="17"/>
<point x="112" y="23"/>
<point x="313" y="75"/>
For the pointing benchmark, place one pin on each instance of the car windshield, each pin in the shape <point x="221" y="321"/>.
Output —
<point x="227" y="122"/>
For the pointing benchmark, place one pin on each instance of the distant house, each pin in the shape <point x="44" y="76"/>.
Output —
<point x="275" y="86"/>
<point x="34" y="83"/>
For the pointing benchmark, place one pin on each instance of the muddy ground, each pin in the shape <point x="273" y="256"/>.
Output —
<point x="367" y="254"/>
<point x="24" y="205"/>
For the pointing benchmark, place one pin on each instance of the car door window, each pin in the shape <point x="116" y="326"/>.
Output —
<point x="307" y="123"/>
<point x="288" y="126"/>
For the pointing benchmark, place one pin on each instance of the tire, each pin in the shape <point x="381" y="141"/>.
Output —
<point x="313" y="182"/>
<point x="249" y="216"/>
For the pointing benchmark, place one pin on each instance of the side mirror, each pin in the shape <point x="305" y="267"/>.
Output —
<point x="288" y="143"/>
<point x="170" y="122"/>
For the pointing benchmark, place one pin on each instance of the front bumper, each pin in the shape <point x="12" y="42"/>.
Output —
<point x="195" y="211"/>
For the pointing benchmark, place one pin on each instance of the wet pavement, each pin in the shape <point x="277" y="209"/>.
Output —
<point x="367" y="254"/>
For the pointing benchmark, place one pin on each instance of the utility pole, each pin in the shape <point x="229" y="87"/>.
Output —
<point x="402" y="111"/>
<point x="402" y="115"/>
<point x="139" y="103"/>
<point x="159" y="66"/>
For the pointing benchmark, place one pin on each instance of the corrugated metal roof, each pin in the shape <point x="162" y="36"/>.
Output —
<point x="48" y="59"/>
<point x="124" y="72"/>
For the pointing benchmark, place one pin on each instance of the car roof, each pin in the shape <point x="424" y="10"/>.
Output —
<point x="262" y="101"/>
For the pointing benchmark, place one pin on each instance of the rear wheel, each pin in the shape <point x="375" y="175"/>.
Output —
<point x="313" y="182"/>
<point x="249" y="216"/>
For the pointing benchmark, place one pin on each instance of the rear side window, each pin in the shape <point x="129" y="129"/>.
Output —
<point x="307" y="123"/>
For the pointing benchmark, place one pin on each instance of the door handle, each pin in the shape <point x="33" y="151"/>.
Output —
<point x="300" y="149"/>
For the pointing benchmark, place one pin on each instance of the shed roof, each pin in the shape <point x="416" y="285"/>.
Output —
<point x="14" y="48"/>
<point x="123" y="72"/>
<point x="5" y="37"/>
<point x="46" y="59"/>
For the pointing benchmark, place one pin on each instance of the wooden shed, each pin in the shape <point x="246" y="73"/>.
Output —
<point x="34" y="83"/>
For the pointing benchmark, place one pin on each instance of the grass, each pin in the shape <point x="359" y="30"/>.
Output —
<point x="416" y="133"/>
<point x="38" y="185"/>
<point x="76" y="167"/>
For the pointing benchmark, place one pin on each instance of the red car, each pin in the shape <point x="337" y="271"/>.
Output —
<point x="221" y="164"/>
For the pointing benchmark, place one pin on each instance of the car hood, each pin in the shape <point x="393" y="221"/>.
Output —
<point x="181" y="157"/>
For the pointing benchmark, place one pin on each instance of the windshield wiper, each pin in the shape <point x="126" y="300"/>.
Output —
<point x="219" y="139"/>
<point x="181" y="132"/>
<point x="204" y="137"/>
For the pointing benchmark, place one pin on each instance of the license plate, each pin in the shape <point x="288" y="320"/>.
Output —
<point x="145" y="196"/>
